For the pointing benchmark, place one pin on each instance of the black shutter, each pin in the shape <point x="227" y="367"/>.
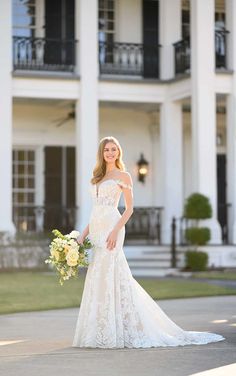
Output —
<point x="70" y="177"/>
<point x="221" y="195"/>
<point x="150" y="38"/>
<point x="69" y="6"/>
<point x="59" y="187"/>
<point x="59" y="32"/>
<point x="53" y="187"/>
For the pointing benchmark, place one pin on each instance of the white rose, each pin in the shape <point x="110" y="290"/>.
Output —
<point x="72" y="257"/>
<point x="74" y="234"/>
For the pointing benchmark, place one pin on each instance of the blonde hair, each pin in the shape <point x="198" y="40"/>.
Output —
<point x="100" y="167"/>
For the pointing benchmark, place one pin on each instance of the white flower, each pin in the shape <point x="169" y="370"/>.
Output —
<point x="74" y="234"/>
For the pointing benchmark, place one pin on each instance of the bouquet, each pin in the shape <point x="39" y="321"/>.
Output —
<point x="66" y="254"/>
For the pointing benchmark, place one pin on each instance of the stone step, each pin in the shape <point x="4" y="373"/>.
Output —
<point x="153" y="272"/>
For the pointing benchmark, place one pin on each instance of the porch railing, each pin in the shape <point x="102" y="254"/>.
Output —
<point x="129" y="59"/>
<point x="43" y="54"/>
<point x="182" y="56"/>
<point x="44" y="218"/>
<point x="145" y="223"/>
<point x="221" y="48"/>
<point x="182" y="52"/>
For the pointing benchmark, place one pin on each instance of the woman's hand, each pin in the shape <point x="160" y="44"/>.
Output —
<point x="111" y="240"/>
<point x="80" y="239"/>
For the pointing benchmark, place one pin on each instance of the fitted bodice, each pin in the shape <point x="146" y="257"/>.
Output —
<point x="107" y="193"/>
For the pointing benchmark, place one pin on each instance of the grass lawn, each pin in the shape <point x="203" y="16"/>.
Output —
<point x="216" y="275"/>
<point x="30" y="291"/>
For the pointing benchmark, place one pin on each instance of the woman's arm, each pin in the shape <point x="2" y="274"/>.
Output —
<point x="82" y="236"/>
<point x="128" y="196"/>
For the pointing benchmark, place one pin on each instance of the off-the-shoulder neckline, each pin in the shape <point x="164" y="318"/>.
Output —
<point x="116" y="180"/>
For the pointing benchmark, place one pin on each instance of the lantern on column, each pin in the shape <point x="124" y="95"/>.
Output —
<point x="142" y="165"/>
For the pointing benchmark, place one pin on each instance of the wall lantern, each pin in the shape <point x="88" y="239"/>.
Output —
<point x="142" y="168"/>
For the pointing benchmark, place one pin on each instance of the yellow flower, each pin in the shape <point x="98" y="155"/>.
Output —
<point x="66" y="249"/>
<point x="72" y="257"/>
<point x="55" y="254"/>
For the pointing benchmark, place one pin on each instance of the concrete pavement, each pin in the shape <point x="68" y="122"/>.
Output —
<point x="39" y="343"/>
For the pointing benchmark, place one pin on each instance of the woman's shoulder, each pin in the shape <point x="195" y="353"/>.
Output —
<point x="124" y="179"/>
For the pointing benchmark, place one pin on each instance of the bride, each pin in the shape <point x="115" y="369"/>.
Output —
<point x="115" y="311"/>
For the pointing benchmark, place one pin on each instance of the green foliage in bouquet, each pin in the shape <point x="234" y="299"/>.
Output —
<point x="66" y="255"/>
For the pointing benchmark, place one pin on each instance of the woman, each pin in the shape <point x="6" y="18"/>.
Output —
<point x="115" y="310"/>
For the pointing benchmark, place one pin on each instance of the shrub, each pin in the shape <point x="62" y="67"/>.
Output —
<point x="197" y="206"/>
<point x="196" y="260"/>
<point x="198" y="236"/>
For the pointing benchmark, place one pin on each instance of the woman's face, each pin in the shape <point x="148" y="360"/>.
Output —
<point x="110" y="152"/>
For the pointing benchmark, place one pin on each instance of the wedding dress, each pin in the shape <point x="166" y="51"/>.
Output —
<point x="115" y="311"/>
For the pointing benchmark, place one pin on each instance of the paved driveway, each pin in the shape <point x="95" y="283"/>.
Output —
<point x="39" y="343"/>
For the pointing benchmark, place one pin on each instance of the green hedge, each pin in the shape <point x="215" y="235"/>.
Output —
<point x="198" y="235"/>
<point x="197" y="206"/>
<point x="196" y="261"/>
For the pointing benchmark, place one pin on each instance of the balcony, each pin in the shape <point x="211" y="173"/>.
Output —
<point x="182" y="56"/>
<point x="182" y="53"/>
<point x="129" y="59"/>
<point x="42" y="54"/>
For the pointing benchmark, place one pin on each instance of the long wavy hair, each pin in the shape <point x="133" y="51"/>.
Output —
<point x="100" y="167"/>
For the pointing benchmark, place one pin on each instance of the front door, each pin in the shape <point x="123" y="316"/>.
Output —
<point x="150" y="38"/>
<point x="59" y="203"/>
<point x="221" y="195"/>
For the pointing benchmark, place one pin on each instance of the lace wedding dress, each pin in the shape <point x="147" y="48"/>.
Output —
<point x="115" y="310"/>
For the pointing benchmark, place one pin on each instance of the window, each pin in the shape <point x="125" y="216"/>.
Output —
<point x="106" y="30"/>
<point x="24" y="18"/>
<point x="24" y="189"/>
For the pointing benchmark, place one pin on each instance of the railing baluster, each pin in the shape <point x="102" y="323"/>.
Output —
<point x="43" y="54"/>
<point x="124" y="58"/>
<point x="182" y="52"/>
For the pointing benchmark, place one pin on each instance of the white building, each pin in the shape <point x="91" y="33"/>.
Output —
<point x="158" y="75"/>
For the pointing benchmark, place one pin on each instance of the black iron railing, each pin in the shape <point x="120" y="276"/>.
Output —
<point x="223" y="215"/>
<point x="43" y="54"/>
<point x="221" y="48"/>
<point x="129" y="59"/>
<point x="44" y="218"/>
<point x="144" y="224"/>
<point x="182" y="56"/>
<point x="182" y="52"/>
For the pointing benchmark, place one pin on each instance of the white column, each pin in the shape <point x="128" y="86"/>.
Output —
<point x="171" y="165"/>
<point x="87" y="127"/>
<point x="170" y="32"/>
<point x="6" y="224"/>
<point x="204" y="107"/>
<point x="231" y="120"/>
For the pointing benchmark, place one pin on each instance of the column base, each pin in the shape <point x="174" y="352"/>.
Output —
<point x="7" y="233"/>
<point x="234" y="233"/>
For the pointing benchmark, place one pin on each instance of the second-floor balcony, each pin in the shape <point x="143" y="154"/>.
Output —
<point x="43" y="54"/>
<point x="129" y="59"/>
<point x="182" y="53"/>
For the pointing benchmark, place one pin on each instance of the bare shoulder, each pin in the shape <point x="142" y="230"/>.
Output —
<point x="126" y="178"/>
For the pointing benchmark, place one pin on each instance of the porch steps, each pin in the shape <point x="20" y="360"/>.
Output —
<point x="152" y="261"/>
